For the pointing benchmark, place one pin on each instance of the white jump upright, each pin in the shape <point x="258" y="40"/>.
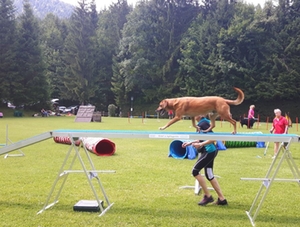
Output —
<point x="8" y="141"/>
<point x="271" y="177"/>
<point x="90" y="174"/>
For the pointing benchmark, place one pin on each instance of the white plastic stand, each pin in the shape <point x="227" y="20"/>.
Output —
<point x="270" y="178"/>
<point x="8" y="141"/>
<point x="90" y="174"/>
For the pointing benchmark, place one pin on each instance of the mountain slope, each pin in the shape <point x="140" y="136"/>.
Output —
<point x="42" y="7"/>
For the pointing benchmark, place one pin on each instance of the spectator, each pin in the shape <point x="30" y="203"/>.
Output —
<point x="280" y="126"/>
<point x="44" y="113"/>
<point x="170" y="113"/>
<point x="251" y="118"/>
<point x="251" y="112"/>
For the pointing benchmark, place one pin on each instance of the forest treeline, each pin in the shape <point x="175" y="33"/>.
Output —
<point x="158" y="49"/>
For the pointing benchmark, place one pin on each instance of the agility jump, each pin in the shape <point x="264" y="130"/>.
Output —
<point x="259" y="199"/>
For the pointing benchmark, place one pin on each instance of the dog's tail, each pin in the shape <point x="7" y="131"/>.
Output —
<point x="239" y="99"/>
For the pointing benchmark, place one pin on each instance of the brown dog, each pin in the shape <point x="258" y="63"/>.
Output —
<point x="193" y="106"/>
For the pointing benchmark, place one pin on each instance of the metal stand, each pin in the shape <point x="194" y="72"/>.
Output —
<point x="197" y="188"/>
<point x="266" y="149"/>
<point x="270" y="178"/>
<point x="8" y="141"/>
<point x="90" y="174"/>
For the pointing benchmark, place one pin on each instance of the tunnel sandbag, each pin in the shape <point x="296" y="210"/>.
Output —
<point x="65" y="140"/>
<point x="99" y="146"/>
<point x="233" y="144"/>
<point x="191" y="152"/>
<point x="260" y="144"/>
<point x="177" y="151"/>
<point x="221" y="145"/>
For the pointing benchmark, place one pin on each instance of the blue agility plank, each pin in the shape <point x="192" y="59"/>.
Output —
<point x="150" y="135"/>
<point x="178" y="135"/>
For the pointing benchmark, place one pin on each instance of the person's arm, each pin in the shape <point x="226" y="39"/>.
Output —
<point x="185" y="144"/>
<point x="286" y="127"/>
<point x="206" y="142"/>
<point x="273" y="128"/>
<point x="196" y="125"/>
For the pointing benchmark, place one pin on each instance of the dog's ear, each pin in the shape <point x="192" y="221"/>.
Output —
<point x="164" y="103"/>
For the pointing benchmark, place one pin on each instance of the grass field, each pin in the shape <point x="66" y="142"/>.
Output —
<point x="145" y="189"/>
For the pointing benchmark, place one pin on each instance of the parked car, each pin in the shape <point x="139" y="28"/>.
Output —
<point x="10" y="105"/>
<point x="68" y="110"/>
<point x="62" y="109"/>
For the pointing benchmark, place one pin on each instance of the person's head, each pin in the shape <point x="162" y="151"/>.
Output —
<point x="252" y="107"/>
<point x="277" y="112"/>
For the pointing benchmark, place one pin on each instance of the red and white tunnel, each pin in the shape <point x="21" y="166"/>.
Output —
<point x="98" y="146"/>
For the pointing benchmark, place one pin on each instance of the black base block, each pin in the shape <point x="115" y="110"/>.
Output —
<point x="87" y="205"/>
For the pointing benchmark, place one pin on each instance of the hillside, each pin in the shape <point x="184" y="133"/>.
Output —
<point x="42" y="7"/>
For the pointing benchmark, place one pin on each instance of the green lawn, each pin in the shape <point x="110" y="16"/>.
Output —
<point x="145" y="189"/>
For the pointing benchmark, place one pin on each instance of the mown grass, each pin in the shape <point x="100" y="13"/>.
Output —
<point x="145" y="189"/>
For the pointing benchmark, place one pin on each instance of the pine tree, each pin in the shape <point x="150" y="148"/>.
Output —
<point x="52" y="30"/>
<point x="204" y="66"/>
<point x="7" y="48"/>
<point x="111" y="23"/>
<point x="286" y="59"/>
<point x="150" y="47"/>
<point x="30" y="84"/>
<point x="80" y="46"/>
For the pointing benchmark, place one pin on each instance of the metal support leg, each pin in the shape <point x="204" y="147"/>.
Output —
<point x="60" y="174"/>
<point x="270" y="178"/>
<point x="90" y="174"/>
<point x="8" y="141"/>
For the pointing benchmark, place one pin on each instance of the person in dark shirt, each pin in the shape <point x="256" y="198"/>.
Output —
<point x="205" y="161"/>
<point x="203" y="123"/>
